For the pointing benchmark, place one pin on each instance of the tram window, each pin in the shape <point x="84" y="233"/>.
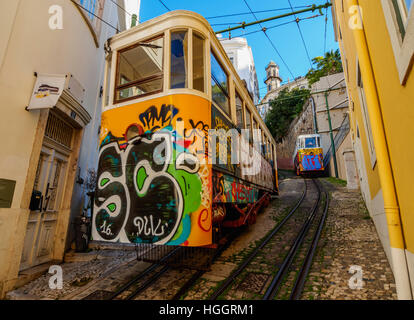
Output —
<point x="249" y="125"/>
<point x="140" y="70"/>
<point x="219" y="86"/>
<point x="108" y="80"/>
<point x="239" y="111"/>
<point x="319" y="142"/>
<point x="179" y="59"/>
<point x="198" y="62"/>
<point x="310" y="142"/>
<point x="267" y="149"/>
<point x="255" y="127"/>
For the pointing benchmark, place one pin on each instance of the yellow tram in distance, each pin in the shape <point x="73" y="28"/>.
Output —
<point x="168" y="83"/>
<point x="308" y="155"/>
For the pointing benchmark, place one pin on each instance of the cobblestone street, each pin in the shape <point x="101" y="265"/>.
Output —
<point x="349" y="239"/>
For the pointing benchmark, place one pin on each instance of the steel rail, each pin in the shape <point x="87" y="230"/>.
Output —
<point x="142" y="274"/>
<point x="147" y="283"/>
<point x="277" y="280"/>
<point x="304" y="270"/>
<point x="239" y="270"/>
<point x="188" y="284"/>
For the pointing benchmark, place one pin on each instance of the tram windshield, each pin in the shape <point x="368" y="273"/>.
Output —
<point x="310" y="142"/>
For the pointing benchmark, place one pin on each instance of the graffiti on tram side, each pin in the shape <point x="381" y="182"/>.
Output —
<point x="152" y="185"/>
<point x="311" y="159"/>
<point x="229" y="189"/>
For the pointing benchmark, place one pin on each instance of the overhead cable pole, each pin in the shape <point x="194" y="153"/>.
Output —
<point x="332" y="138"/>
<point x="244" y="25"/>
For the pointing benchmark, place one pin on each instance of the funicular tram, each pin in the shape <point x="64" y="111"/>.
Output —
<point x="168" y="81"/>
<point x="308" y="155"/>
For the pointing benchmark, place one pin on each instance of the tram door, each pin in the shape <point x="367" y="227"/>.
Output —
<point x="50" y="182"/>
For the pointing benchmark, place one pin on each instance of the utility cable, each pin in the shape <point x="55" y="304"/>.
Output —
<point x="271" y="42"/>
<point x="164" y="5"/>
<point x="301" y="35"/>
<point x="271" y="27"/>
<point x="261" y="11"/>
<point x="92" y="13"/>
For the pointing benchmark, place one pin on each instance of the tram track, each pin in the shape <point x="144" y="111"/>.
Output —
<point x="151" y="276"/>
<point x="140" y="283"/>
<point x="296" y="246"/>
<point x="294" y="250"/>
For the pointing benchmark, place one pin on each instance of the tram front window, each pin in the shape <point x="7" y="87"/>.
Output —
<point x="310" y="142"/>
<point x="140" y="70"/>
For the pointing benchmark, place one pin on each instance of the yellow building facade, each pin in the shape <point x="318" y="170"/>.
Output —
<point x="376" y="40"/>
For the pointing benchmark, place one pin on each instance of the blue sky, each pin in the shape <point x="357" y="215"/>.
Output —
<point x="286" y="38"/>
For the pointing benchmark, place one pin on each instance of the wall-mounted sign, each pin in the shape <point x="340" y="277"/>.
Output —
<point x="47" y="90"/>
<point x="6" y="192"/>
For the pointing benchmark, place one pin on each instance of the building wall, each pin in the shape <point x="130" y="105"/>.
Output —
<point x="338" y="106"/>
<point x="242" y="58"/>
<point x="300" y="83"/>
<point x="28" y="45"/>
<point x="395" y="93"/>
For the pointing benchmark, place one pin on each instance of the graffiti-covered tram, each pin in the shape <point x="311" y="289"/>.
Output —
<point x="178" y="159"/>
<point x="308" y="155"/>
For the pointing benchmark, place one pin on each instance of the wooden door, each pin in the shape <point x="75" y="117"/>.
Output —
<point x="50" y="181"/>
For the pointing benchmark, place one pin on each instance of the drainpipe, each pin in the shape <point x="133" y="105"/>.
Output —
<point x="392" y="210"/>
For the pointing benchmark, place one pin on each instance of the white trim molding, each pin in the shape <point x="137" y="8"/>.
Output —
<point x="403" y="47"/>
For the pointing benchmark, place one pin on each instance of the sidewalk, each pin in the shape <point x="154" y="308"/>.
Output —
<point x="349" y="239"/>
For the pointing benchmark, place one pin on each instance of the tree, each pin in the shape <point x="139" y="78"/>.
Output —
<point x="286" y="107"/>
<point x="331" y="63"/>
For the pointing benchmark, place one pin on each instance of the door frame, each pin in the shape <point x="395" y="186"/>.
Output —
<point x="40" y="139"/>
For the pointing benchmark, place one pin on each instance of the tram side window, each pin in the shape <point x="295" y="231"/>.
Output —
<point x="255" y="127"/>
<point x="198" y="62"/>
<point x="219" y="85"/>
<point x="239" y="111"/>
<point x="249" y="125"/>
<point x="140" y="70"/>
<point x="179" y="59"/>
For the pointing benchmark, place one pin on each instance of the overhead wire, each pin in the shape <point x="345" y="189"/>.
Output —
<point x="119" y="6"/>
<point x="261" y="11"/>
<point x="92" y="13"/>
<point x="271" y="27"/>
<point x="301" y="95"/>
<point x="301" y="35"/>
<point x="271" y="42"/>
<point x="162" y="2"/>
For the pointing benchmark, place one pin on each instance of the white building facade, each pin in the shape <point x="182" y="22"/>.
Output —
<point x="241" y="56"/>
<point x="49" y="150"/>
<point x="274" y="85"/>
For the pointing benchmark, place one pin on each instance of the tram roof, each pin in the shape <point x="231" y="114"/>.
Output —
<point x="309" y="135"/>
<point x="125" y="38"/>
